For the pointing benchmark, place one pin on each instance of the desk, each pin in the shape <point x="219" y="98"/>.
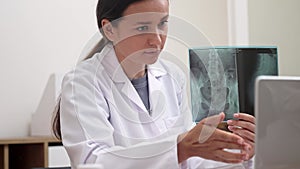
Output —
<point x="25" y="152"/>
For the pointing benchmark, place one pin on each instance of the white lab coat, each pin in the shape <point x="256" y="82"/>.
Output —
<point x="103" y="119"/>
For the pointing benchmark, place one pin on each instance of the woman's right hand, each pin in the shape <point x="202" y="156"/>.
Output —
<point x="208" y="142"/>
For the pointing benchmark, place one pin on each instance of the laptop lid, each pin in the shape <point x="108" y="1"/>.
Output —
<point x="277" y="111"/>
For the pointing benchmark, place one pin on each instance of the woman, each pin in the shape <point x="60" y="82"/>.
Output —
<point x="126" y="108"/>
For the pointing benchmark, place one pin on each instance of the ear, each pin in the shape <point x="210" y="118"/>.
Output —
<point x="108" y="29"/>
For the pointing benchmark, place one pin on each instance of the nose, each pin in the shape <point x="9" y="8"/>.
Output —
<point x="155" y="39"/>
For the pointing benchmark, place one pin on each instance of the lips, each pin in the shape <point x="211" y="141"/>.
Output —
<point x="152" y="51"/>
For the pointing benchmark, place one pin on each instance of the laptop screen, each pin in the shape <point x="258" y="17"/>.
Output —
<point x="277" y="111"/>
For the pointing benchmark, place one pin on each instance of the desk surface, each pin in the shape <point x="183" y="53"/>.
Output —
<point x="28" y="140"/>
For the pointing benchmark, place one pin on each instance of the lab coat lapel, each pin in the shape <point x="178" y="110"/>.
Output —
<point x="129" y="91"/>
<point x="118" y="76"/>
<point x="157" y="97"/>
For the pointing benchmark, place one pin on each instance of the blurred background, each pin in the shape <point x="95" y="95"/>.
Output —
<point x="39" y="38"/>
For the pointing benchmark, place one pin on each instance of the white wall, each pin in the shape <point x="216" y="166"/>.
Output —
<point x="196" y="23"/>
<point x="209" y="16"/>
<point x="277" y="22"/>
<point x="39" y="37"/>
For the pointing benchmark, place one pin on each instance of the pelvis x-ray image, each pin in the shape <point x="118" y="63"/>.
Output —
<point x="214" y="87"/>
<point x="222" y="78"/>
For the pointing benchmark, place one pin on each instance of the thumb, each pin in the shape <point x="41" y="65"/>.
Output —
<point x="209" y="126"/>
<point x="214" y="120"/>
<point x="222" y="117"/>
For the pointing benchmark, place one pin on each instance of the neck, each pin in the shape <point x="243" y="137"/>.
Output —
<point x="132" y="69"/>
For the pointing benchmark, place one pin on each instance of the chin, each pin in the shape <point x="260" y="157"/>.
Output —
<point x="151" y="60"/>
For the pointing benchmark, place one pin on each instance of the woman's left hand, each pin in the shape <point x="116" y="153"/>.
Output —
<point x="244" y="126"/>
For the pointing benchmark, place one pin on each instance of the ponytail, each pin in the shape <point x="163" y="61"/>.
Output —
<point x="56" y="129"/>
<point x="97" y="48"/>
<point x="56" y="120"/>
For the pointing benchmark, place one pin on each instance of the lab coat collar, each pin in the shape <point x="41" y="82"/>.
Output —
<point x="157" y="69"/>
<point x="116" y="73"/>
<point x="111" y="64"/>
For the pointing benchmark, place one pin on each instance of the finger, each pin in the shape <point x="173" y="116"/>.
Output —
<point x="206" y="133"/>
<point x="220" y="135"/>
<point x="245" y="117"/>
<point x="200" y="133"/>
<point x="232" y="161"/>
<point x="243" y="124"/>
<point x="206" y="127"/>
<point x="250" y="155"/>
<point x="243" y="133"/>
<point x="250" y="147"/>
<point x="250" y="142"/>
<point x="251" y="151"/>
<point x="231" y="157"/>
<point x="230" y="145"/>
<point x="213" y="120"/>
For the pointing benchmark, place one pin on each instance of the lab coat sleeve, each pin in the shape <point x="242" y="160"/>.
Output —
<point x="87" y="133"/>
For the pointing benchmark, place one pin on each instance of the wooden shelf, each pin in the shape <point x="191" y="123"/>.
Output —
<point x="25" y="152"/>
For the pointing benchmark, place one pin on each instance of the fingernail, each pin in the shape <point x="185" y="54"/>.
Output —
<point x="235" y="115"/>
<point x="231" y="128"/>
<point x="229" y="121"/>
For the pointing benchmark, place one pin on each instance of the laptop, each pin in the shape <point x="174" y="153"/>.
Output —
<point x="277" y="111"/>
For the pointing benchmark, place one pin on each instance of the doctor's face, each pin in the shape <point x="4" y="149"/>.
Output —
<point x="140" y="34"/>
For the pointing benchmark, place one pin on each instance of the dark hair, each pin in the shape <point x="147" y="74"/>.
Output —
<point x="106" y="9"/>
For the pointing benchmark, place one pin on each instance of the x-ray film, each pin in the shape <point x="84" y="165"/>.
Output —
<point x="222" y="78"/>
